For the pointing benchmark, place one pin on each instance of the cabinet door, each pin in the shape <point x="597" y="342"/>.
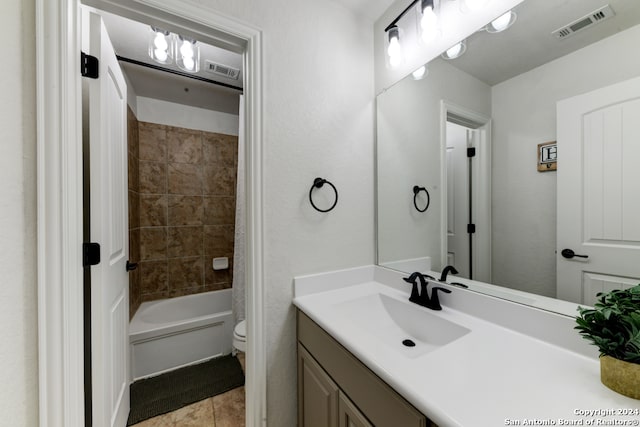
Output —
<point x="317" y="394"/>
<point x="349" y="415"/>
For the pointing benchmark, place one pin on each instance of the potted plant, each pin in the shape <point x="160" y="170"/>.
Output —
<point x="613" y="325"/>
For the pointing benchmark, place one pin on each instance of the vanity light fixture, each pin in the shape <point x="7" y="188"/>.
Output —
<point x="502" y="22"/>
<point x="420" y="73"/>
<point x="188" y="58"/>
<point x="455" y="51"/>
<point x="160" y="46"/>
<point x="429" y="21"/>
<point x="394" y="50"/>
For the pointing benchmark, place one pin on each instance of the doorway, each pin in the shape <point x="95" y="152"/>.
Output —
<point x="466" y="151"/>
<point x="60" y="224"/>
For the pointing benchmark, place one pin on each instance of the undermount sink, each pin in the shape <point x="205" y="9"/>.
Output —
<point x="400" y="324"/>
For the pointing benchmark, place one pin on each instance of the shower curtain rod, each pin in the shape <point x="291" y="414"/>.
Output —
<point x="179" y="73"/>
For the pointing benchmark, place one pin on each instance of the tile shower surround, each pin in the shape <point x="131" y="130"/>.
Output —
<point x="182" y="209"/>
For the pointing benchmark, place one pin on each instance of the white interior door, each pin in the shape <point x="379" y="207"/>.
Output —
<point x="109" y="228"/>
<point x="457" y="199"/>
<point x="599" y="191"/>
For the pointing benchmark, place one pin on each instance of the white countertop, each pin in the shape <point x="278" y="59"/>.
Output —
<point x="492" y="376"/>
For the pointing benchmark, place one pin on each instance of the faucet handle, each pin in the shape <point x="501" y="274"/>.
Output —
<point x="413" y="279"/>
<point x="435" y="301"/>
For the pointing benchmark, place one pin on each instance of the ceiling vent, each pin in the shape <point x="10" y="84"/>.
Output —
<point x="586" y="21"/>
<point x="221" y="70"/>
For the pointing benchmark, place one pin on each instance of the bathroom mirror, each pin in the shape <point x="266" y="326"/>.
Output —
<point x="494" y="215"/>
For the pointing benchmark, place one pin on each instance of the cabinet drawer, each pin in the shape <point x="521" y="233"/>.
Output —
<point x="382" y="406"/>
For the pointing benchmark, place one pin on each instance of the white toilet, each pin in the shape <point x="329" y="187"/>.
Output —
<point x="240" y="337"/>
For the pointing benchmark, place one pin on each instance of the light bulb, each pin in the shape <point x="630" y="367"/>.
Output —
<point x="502" y="22"/>
<point x="159" y="42"/>
<point x="186" y="50"/>
<point x="419" y="73"/>
<point x="454" y="50"/>
<point x="188" y="63"/>
<point x="429" y="24"/>
<point x="394" y="50"/>
<point x="394" y="47"/>
<point x="161" y="55"/>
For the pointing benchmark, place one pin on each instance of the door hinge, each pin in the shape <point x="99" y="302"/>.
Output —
<point x="471" y="228"/>
<point x="471" y="152"/>
<point x="90" y="254"/>
<point x="88" y="66"/>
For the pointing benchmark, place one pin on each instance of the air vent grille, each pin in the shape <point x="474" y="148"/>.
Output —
<point x="586" y="21"/>
<point x="221" y="70"/>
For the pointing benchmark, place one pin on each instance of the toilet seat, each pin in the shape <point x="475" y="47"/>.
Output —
<point x="240" y="336"/>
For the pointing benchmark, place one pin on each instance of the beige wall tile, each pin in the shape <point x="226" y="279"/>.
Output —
<point x="153" y="243"/>
<point x="223" y="278"/>
<point x="153" y="177"/>
<point x="134" y="209"/>
<point x="153" y="277"/>
<point x="184" y="179"/>
<point x="153" y="210"/>
<point x="185" y="241"/>
<point x="220" y="150"/>
<point x="134" y="245"/>
<point x="134" y="292"/>
<point x="133" y="172"/>
<point x="219" y="210"/>
<point x="184" y="145"/>
<point x="185" y="273"/>
<point x="219" y="181"/>
<point x="152" y="141"/>
<point x="218" y="240"/>
<point x="185" y="210"/>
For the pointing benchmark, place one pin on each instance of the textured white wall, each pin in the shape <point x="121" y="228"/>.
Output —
<point x="408" y="126"/>
<point x="318" y="121"/>
<point x="524" y="113"/>
<point x="18" y="302"/>
<point x="185" y="116"/>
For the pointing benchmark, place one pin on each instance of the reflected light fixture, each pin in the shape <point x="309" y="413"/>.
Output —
<point x="502" y="22"/>
<point x="188" y="57"/>
<point x="160" y="46"/>
<point x="428" y="21"/>
<point x="455" y="51"/>
<point x="420" y="73"/>
<point x="394" y="50"/>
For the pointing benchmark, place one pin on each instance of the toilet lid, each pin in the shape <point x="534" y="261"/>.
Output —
<point x="241" y="329"/>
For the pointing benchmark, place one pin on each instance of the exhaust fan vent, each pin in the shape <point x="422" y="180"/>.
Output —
<point x="221" y="70"/>
<point x="592" y="18"/>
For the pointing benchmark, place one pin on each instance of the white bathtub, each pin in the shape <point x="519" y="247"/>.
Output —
<point x="170" y="333"/>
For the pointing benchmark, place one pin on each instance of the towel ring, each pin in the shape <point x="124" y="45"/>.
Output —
<point x="416" y="191"/>
<point x="318" y="183"/>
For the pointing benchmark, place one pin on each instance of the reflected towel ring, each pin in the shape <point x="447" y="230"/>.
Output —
<point x="318" y="183"/>
<point x="416" y="191"/>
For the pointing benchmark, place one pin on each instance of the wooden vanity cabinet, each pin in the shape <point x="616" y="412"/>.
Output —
<point x="335" y="389"/>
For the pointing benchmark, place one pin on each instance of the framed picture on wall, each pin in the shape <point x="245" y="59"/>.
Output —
<point x="548" y="156"/>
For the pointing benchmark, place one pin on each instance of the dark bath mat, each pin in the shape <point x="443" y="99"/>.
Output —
<point x="173" y="390"/>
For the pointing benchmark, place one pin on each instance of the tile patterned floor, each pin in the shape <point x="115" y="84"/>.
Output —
<point x="223" y="410"/>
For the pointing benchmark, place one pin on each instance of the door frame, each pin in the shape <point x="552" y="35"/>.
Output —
<point x="481" y="176"/>
<point x="60" y="202"/>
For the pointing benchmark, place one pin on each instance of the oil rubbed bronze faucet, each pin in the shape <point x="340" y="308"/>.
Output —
<point x="422" y="297"/>
<point x="448" y="269"/>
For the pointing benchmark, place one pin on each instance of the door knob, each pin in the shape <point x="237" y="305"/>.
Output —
<point x="131" y="266"/>
<point x="568" y="253"/>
